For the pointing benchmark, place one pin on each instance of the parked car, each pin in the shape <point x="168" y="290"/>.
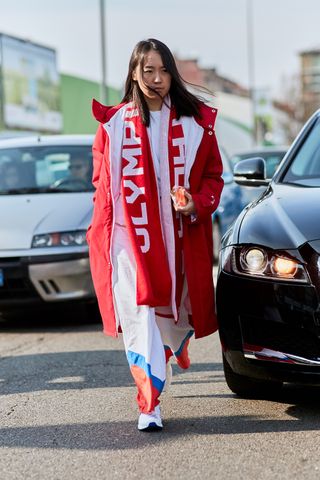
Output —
<point x="272" y="157"/>
<point x="268" y="285"/>
<point x="45" y="209"/>
<point x="230" y="206"/>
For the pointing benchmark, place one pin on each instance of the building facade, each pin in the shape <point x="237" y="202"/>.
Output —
<point x="310" y="81"/>
<point x="76" y="97"/>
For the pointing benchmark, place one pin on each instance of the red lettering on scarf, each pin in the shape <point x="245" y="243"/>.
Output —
<point x="132" y="153"/>
<point x="179" y="157"/>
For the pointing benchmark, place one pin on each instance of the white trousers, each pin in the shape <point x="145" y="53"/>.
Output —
<point x="150" y="335"/>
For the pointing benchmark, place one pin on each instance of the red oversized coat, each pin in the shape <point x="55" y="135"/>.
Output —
<point x="205" y="184"/>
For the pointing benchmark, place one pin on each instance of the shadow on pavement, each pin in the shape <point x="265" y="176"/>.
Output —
<point x="124" y="435"/>
<point x="73" y="370"/>
<point x="57" y="321"/>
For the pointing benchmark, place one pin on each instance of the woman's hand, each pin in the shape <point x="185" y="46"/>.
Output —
<point x="189" y="208"/>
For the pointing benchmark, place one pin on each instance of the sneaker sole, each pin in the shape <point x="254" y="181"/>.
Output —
<point x="152" y="427"/>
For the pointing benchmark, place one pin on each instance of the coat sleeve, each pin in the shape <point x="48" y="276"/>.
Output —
<point x="207" y="198"/>
<point x="97" y="152"/>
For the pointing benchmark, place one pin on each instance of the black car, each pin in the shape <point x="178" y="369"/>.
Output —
<point x="268" y="287"/>
<point x="272" y="155"/>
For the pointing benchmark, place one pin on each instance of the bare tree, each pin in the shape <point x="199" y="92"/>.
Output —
<point x="291" y="105"/>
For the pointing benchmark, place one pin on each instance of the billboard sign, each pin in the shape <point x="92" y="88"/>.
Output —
<point x="30" y="86"/>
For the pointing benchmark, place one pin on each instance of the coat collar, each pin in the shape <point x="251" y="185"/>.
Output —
<point x="104" y="113"/>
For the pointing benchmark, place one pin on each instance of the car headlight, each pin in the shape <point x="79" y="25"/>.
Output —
<point x="60" y="239"/>
<point x="261" y="262"/>
<point x="253" y="260"/>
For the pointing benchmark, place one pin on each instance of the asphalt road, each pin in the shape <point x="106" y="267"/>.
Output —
<point x="67" y="410"/>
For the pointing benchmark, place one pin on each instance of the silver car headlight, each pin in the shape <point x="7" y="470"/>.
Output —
<point x="256" y="261"/>
<point x="75" y="238"/>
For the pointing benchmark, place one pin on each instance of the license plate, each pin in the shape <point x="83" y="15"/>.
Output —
<point x="1" y="278"/>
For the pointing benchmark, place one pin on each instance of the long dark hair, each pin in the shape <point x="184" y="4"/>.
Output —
<point x="185" y="102"/>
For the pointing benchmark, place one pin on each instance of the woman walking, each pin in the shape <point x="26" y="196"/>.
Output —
<point x="150" y="242"/>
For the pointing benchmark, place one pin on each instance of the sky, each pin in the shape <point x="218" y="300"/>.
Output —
<point x="214" y="31"/>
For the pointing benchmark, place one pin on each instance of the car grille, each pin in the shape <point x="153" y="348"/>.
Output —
<point x="16" y="282"/>
<point x="279" y="337"/>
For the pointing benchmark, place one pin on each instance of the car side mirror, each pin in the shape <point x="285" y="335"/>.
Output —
<point x="251" y="172"/>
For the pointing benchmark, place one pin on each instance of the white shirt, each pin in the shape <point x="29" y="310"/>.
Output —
<point x="154" y="138"/>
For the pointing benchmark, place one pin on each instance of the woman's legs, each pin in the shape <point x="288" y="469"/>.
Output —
<point x="146" y="357"/>
<point x="150" y="337"/>
<point x="142" y="339"/>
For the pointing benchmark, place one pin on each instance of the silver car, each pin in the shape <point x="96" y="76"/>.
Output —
<point x="45" y="209"/>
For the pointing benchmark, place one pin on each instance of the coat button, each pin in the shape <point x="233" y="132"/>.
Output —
<point x="210" y="132"/>
<point x="210" y="126"/>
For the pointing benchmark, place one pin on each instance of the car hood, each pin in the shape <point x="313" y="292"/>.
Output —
<point x="22" y="216"/>
<point x="286" y="217"/>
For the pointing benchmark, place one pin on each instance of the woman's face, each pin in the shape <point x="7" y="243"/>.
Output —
<point x="153" y="74"/>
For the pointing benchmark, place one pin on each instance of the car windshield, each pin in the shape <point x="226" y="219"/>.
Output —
<point x="304" y="169"/>
<point x="49" y="169"/>
<point x="272" y="159"/>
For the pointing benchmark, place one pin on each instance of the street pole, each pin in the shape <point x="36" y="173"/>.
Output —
<point x="251" y="68"/>
<point x="103" y="86"/>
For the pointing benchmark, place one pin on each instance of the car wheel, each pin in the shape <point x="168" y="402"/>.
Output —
<point x="248" y="387"/>
<point x="216" y="234"/>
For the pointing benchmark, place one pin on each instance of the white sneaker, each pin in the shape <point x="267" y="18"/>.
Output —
<point x="149" y="422"/>
<point x="168" y="377"/>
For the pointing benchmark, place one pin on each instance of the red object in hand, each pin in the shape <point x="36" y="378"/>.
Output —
<point x="181" y="199"/>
